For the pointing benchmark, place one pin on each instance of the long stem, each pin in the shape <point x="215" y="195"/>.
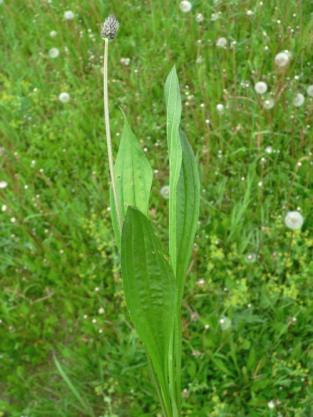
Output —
<point x="108" y="131"/>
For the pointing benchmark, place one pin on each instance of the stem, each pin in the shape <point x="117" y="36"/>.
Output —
<point x="108" y="131"/>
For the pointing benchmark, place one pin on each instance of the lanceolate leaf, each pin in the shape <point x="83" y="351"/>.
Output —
<point x="133" y="176"/>
<point x="188" y="202"/>
<point x="149" y="287"/>
<point x="173" y="107"/>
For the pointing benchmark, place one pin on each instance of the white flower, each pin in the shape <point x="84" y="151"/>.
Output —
<point x="299" y="99"/>
<point x="3" y="184"/>
<point x="249" y="12"/>
<point x="54" y="53"/>
<point x="53" y="34"/>
<point x="165" y="192"/>
<point x="251" y="257"/>
<point x="271" y="404"/>
<point x="199" y="18"/>
<point x="260" y="87"/>
<point x="64" y="97"/>
<point x="225" y="323"/>
<point x="309" y="90"/>
<point x="269" y="149"/>
<point x="220" y="108"/>
<point x="125" y="61"/>
<point x="294" y="220"/>
<point x="69" y="15"/>
<point x="268" y="104"/>
<point x="282" y="59"/>
<point x="221" y="43"/>
<point x="185" y="6"/>
<point x="4" y="207"/>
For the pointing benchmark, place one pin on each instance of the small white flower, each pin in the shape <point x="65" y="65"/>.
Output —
<point x="4" y="208"/>
<point x="221" y="42"/>
<point x="53" y="34"/>
<point x="165" y="192"/>
<point x="260" y="87"/>
<point x="225" y="323"/>
<point x="249" y="12"/>
<point x="299" y="100"/>
<point x="268" y="104"/>
<point x="64" y="97"/>
<point x="3" y="184"/>
<point x="294" y="220"/>
<point x="185" y="6"/>
<point x="220" y="108"/>
<point x="54" y="53"/>
<point x="101" y="310"/>
<point x="309" y="90"/>
<point x="125" y="61"/>
<point x="69" y="15"/>
<point x="271" y="405"/>
<point x="199" y="18"/>
<point x="269" y="149"/>
<point x="282" y="59"/>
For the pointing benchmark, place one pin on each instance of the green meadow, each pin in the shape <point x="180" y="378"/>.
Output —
<point x="67" y="345"/>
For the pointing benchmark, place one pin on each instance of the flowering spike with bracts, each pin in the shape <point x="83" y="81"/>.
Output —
<point x="110" y="27"/>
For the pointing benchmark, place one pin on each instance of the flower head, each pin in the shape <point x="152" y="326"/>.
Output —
<point x="309" y="90"/>
<point x="3" y="184"/>
<point x="110" y="27"/>
<point x="165" y="192"/>
<point x="294" y="220"/>
<point x="260" y="87"/>
<point x="54" y="52"/>
<point x="69" y="15"/>
<point x="282" y="59"/>
<point x="64" y="97"/>
<point x="185" y="6"/>
<point x="299" y="99"/>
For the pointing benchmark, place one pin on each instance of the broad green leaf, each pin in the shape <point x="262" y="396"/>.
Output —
<point x="188" y="203"/>
<point x="150" y="291"/>
<point x="173" y="109"/>
<point x="133" y="177"/>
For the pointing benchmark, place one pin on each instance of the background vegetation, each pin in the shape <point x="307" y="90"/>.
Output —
<point x="248" y="334"/>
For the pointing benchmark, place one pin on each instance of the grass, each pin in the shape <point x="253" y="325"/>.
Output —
<point x="61" y="293"/>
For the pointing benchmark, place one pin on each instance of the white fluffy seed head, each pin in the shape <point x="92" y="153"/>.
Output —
<point x="185" y="6"/>
<point x="64" y="97"/>
<point x="294" y="220"/>
<point x="220" y="107"/>
<point x="282" y="59"/>
<point x="199" y="18"/>
<point x="3" y="184"/>
<point x="221" y="42"/>
<point x="165" y="192"/>
<point x="260" y="87"/>
<point x="54" y="52"/>
<point x="269" y="103"/>
<point x="309" y="90"/>
<point x="298" y="100"/>
<point x="69" y="15"/>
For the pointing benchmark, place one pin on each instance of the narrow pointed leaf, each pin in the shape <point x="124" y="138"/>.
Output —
<point x="188" y="202"/>
<point x="133" y="176"/>
<point x="149" y="287"/>
<point x="173" y="109"/>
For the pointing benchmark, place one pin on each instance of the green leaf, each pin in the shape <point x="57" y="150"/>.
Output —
<point x="173" y="109"/>
<point x="149" y="287"/>
<point x="188" y="203"/>
<point x="133" y="177"/>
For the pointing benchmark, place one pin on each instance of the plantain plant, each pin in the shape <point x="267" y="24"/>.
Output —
<point x="153" y="280"/>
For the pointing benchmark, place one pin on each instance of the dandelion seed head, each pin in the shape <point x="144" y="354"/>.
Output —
<point x="165" y="192"/>
<point x="309" y="90"/>
<point x="53" y="34"/>
<point x="3" y="184"/>
<point x="125" y="61"/>
<point x="199" y="18"/>
<point x="64" y="97"/>
<point x="220" y="107"/>
<point x="69" y="15"/>
<point x="282" y="59"/>
<point x="221" y="42"/>
<point x="110" y="27"/>
<point x="54" y="52"/>
<point x="185" y="6"/>
<point x="294" y="220"/>
<point x="260" y="87"/>
<point x="268" y="104"/>
<point x="298" y="100"/>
